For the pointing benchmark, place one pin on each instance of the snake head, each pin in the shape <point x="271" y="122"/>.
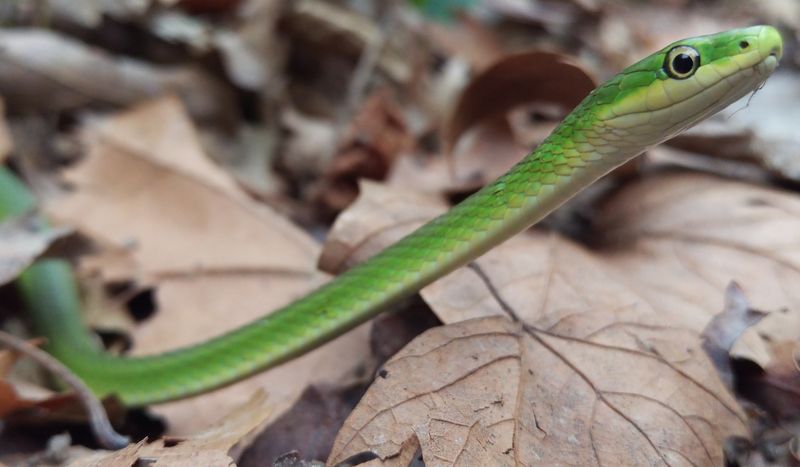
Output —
<point x="683" y="83"/>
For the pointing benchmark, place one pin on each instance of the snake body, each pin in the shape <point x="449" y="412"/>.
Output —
<point x="643" y="105"/>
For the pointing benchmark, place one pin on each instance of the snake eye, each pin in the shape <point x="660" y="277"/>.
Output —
<point x="682" y="61"/>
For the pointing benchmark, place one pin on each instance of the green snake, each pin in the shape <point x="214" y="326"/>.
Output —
<point x="645" y="104"/>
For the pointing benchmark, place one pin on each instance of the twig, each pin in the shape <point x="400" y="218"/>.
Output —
<point x="98" y="419"/>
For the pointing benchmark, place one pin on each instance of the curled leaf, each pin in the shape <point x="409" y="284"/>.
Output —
<point x="533" y="76"/>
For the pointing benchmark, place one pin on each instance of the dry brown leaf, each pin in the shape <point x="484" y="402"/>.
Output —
<point x="44" y="71"/>
<point x="492" y="104"/>
<point x="514" y="80"/>
<point x="126" y="457"/>
<point x="725" y="328"/>
<point x="469" y="40"/>
<point x="249" y="155"/>
<point x="215" y="258"/>
<point x="11" y="399"/>
<point x="218" y="445"/>
<point x="379" y="216"/>
<point x="307" y="152"/>
<point x="339" y="31"/>
<point x="764" y="374"/>
<point x="773" y="378"/>
<point x="146" y="187"/>
<point x="609" y="388"/>
<point x="376" y="137"/>
<point x="555" y="16"/>
<point x="492" y="151"/>
<point x="90" y="13"/>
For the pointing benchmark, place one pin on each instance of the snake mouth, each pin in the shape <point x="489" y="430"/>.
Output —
<point x="770" y="47"/>
<point x="768" y="65"/>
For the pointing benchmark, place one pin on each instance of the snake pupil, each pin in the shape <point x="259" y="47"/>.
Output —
<point x="682" y="63"/>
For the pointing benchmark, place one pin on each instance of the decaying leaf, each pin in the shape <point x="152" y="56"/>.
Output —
<point x="89" y="13"/>
<point x="376" y="137"/>
<point x="517" y="79"/>
<point x="378" y="217"/>
<point x="341" y="31"/>
<point x="12" y="397"/>
<point x="42" y="70"/>
<point x="22" y="240"/>
<point x="215" y="258"/>
<point x="218" y="445"/>
<point x="761" y="368"/>
<point x="146" y="187"/>
<point x="771" y="377"/>
<point x="609" y="388"/>
<point x="491" y="152"/>
<point x="725" y="329"/>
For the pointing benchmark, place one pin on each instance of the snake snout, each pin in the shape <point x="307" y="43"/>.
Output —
<point x="770" y="43"/>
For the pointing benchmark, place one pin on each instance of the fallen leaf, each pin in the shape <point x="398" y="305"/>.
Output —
<point x="41" y="70"/>
<point x="492" y="150"/>
<point x="376" y="137"/>
<point x="146" y="187"/>
<point x="89" y="13"/>
<point x="22" y="240"/>
<point x="756" y="355"/>
<point x="469" y="40"/>
<point x="307" y="153"/>
<point x="379" y="216"/>
<point x="555" y="16"/>
<point x="499" y="114"/>
<point x="766" y="370"/>
<point x="309" y="426"/>
<point x="525" y="77"/>
<point x="609" y="388"/>
<point x="725" y="329"/>
<point x="689" y="235"/>
<point x="14" y="398"/>
<point x="339" y="31"/>
<point x="249" y="156"/>
<point x="218" y="445"/>
<point x="127" y="456"/>
<point x="215" y="258"/>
